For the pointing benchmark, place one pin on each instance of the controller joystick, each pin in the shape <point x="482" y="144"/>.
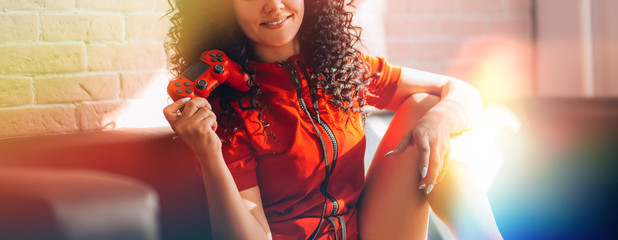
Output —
<point x="201" y="85"/>
<point x="202" y="77"/>
<point x="219" y="69"/>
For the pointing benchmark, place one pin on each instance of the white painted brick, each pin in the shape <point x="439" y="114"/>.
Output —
<point x="135" y="85"/>
<point x="37" y="4"/>
<point x="18" y="26"/>
<point x="77" y="26"/>
<point x="76" y="88"/>
<point x="131" y="56"/>
<point x="15" y="91"/>
<point x="116" y="5"/>
<point x="100" y="115"/>
<point x="47" y="58"/>
<point x="37" y="120"/>
<point x="147" y="26"/>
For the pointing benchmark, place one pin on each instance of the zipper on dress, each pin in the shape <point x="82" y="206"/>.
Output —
<point x="295" y="77"/>
<point x="324" y="126"/>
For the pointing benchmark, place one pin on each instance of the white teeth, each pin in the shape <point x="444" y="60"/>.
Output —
<point x="277" y="22"/>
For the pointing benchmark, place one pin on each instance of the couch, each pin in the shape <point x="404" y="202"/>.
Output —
<point x="51" y="187"/>
<point x="118" y="184"/>
<point x="126" y="184"/>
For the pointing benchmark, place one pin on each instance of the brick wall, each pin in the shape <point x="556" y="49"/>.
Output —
<point x="487" y="43"/>
<point x="82" y="65"/>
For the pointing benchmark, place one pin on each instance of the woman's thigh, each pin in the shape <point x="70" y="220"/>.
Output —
<point x="392" y="206"/>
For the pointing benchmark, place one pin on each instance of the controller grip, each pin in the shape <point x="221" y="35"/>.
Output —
<point x="178" y="89"/>
<point x="238" y="79"/>
<point x="202" y="77"/>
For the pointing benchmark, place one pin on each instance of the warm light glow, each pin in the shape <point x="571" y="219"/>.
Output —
<point x="498" y="67"/>
<point x="477" y="149"/>
<point x="147" y="111"/>
<point x="369" y="14"/>
<point x="142" y="111"/>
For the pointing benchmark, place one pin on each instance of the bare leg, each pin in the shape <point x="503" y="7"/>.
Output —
<point x="392" y="206"/>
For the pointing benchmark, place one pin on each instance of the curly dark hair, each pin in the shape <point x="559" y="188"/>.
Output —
<point x="327" y="38"/>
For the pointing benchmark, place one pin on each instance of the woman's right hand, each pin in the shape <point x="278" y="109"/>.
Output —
<point x="233" y="215"/>
<point x="194" y="121"/>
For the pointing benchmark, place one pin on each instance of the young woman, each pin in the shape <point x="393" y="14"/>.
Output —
<point x="285" y="160"/>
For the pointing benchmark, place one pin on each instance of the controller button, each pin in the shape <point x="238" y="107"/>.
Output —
<point x="179" y="91"/>
<point x="177" y="84"/>
<point x="188" y="90"/>
<point x="212" y="54"/>
<point x="219" y="54"/>
<point x="219" y="69"/>
<point x="201" y="85"/>
<point x="221" y="59"/>
<point x="214" y="59"/>
<point x="187" y="84"/>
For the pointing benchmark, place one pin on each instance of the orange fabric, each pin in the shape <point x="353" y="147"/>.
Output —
<point x="290" y="168"/>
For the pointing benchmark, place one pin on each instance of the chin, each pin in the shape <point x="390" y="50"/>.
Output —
<point x="278" y="41"/>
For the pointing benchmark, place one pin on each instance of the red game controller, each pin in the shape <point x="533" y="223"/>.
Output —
<point x="213" y="68"/>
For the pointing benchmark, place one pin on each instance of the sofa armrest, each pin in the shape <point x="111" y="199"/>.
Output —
<point x="150" y="155"/>
<point x="75" y="204"/>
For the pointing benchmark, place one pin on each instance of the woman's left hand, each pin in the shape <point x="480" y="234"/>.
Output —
<point x="431" y="137"/>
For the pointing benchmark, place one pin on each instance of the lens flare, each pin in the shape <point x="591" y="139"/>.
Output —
<point x="500" y="68"/>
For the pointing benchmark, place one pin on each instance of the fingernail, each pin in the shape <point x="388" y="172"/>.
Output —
<point x="389" y="153"/>
<point x="209" y="107"/>
<point x="424" y="172"/>
<point x="185" y="99"/>
<point x="422" y="186"/>
<point x="429" y="188"/>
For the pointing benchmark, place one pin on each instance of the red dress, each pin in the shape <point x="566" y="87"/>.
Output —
<point x="289" y="167"/>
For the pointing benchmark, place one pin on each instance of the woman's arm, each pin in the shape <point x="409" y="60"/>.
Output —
<point x="459" y="103"/>
<point x="233" y="214"/>
<point x="456" y="112"/>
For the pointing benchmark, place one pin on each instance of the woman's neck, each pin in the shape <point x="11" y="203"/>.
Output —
<point x="271" y="54"/>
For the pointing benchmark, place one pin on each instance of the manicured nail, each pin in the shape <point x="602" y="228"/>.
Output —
<point x="389" y="153"/>
<point x="209" y="107"/>
<point x="429" y="188"/>
<point x="185" y="99"/>
<point x="422" y="186"/>
<point x="424" y="172"/>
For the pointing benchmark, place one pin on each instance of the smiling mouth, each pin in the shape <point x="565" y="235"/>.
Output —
<point x="276" y="22"/>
